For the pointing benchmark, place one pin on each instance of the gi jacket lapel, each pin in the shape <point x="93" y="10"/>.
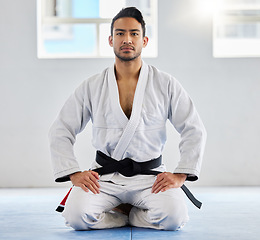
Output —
<point x="129" y="126"/>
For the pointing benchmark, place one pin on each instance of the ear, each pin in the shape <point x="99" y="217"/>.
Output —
<point x="145" y="41"/>
<point x="110" y="40"/>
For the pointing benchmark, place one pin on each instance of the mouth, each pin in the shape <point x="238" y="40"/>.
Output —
<point x="127" y="48"/>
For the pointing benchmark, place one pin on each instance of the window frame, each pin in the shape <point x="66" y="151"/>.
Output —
<point x="42" y="19"/>
<point x="234" y="46"/>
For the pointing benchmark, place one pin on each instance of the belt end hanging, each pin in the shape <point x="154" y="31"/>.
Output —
<point x="60" y="208"/>
<point x="195" y="201"/>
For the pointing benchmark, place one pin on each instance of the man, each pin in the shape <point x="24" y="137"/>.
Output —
<point x="128" y="105"/>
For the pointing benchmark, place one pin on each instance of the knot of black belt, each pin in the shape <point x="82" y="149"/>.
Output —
<point x="129" y="168"/>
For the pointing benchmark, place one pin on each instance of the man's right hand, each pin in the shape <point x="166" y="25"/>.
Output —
<point x="87" y="180"/>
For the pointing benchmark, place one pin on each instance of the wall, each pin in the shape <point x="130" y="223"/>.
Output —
<point x="32" y="91"/>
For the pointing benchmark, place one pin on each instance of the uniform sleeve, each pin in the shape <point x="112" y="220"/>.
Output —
<point x="185" y="118"/>
<point x="71" y="120"/>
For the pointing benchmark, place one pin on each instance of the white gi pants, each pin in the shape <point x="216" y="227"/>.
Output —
<point x="164" y="210"/>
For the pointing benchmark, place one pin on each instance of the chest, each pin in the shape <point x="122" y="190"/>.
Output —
<point x="126" y="96"/>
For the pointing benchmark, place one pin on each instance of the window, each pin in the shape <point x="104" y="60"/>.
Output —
<point x="236" y="29"/>
<point x="80" y="28"/>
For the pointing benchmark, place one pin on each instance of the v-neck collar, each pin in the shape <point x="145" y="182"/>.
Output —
<point x="114" y="94"/>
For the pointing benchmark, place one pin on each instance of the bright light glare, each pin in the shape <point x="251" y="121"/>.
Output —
<point x="209" y="7"/>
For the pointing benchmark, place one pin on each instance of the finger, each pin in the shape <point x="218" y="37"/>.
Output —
<point x="84" y="188"/>
<point x="166" y="188"/>
<point x="95" y="174"/>
<point x="160" y="187"/>
<point x="94" y="181"/>
<point x="160" y="177"/>
<point x="92" y="187"/>
<point x="155" y="185"/>
<point x="158" y="180"/>
<point x="90" y="178"/>
<point x="157" y="188"/>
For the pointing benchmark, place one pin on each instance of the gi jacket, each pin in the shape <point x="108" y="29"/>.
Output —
<point x="158" y="97"/>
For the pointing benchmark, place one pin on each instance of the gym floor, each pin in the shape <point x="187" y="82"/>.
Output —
<point x="227" y="213"/>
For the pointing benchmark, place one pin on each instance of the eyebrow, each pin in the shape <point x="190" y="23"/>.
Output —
<point x="123" y="30"/>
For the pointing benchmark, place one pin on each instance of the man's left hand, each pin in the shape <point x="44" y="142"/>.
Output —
<point x="167" y="180"/>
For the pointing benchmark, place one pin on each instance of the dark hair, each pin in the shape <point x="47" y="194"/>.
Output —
<point x="129" y="12"/>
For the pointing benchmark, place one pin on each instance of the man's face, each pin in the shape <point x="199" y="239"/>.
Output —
<point x="127" y="40"/>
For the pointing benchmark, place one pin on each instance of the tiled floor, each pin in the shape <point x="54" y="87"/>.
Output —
<point x="226" y="214"/>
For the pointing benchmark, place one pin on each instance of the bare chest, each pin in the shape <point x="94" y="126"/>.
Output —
<point x="126" y="97"/>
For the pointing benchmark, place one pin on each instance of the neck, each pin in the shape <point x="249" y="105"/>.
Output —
<point x="127" y="70"/>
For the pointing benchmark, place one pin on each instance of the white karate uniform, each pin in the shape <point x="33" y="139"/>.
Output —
<point x="158" y="97"/>
<point x="162" y="211"/>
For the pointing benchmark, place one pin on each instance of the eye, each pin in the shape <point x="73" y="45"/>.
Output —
<point x="120" y="34"/>
<point x="135" y="34"/>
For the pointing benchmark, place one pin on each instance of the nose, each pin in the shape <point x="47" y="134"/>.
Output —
<point x="128" y="42"/>
<point x="127" y="39"/>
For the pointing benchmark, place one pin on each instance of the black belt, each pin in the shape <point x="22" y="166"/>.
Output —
<point x="129" y="168"/>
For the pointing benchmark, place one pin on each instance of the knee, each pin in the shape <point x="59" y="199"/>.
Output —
<point x="170" y="216"/>
<point x="175" y="219"/>
<point x="80" y="216"/>
<point x="74" y="217"/>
